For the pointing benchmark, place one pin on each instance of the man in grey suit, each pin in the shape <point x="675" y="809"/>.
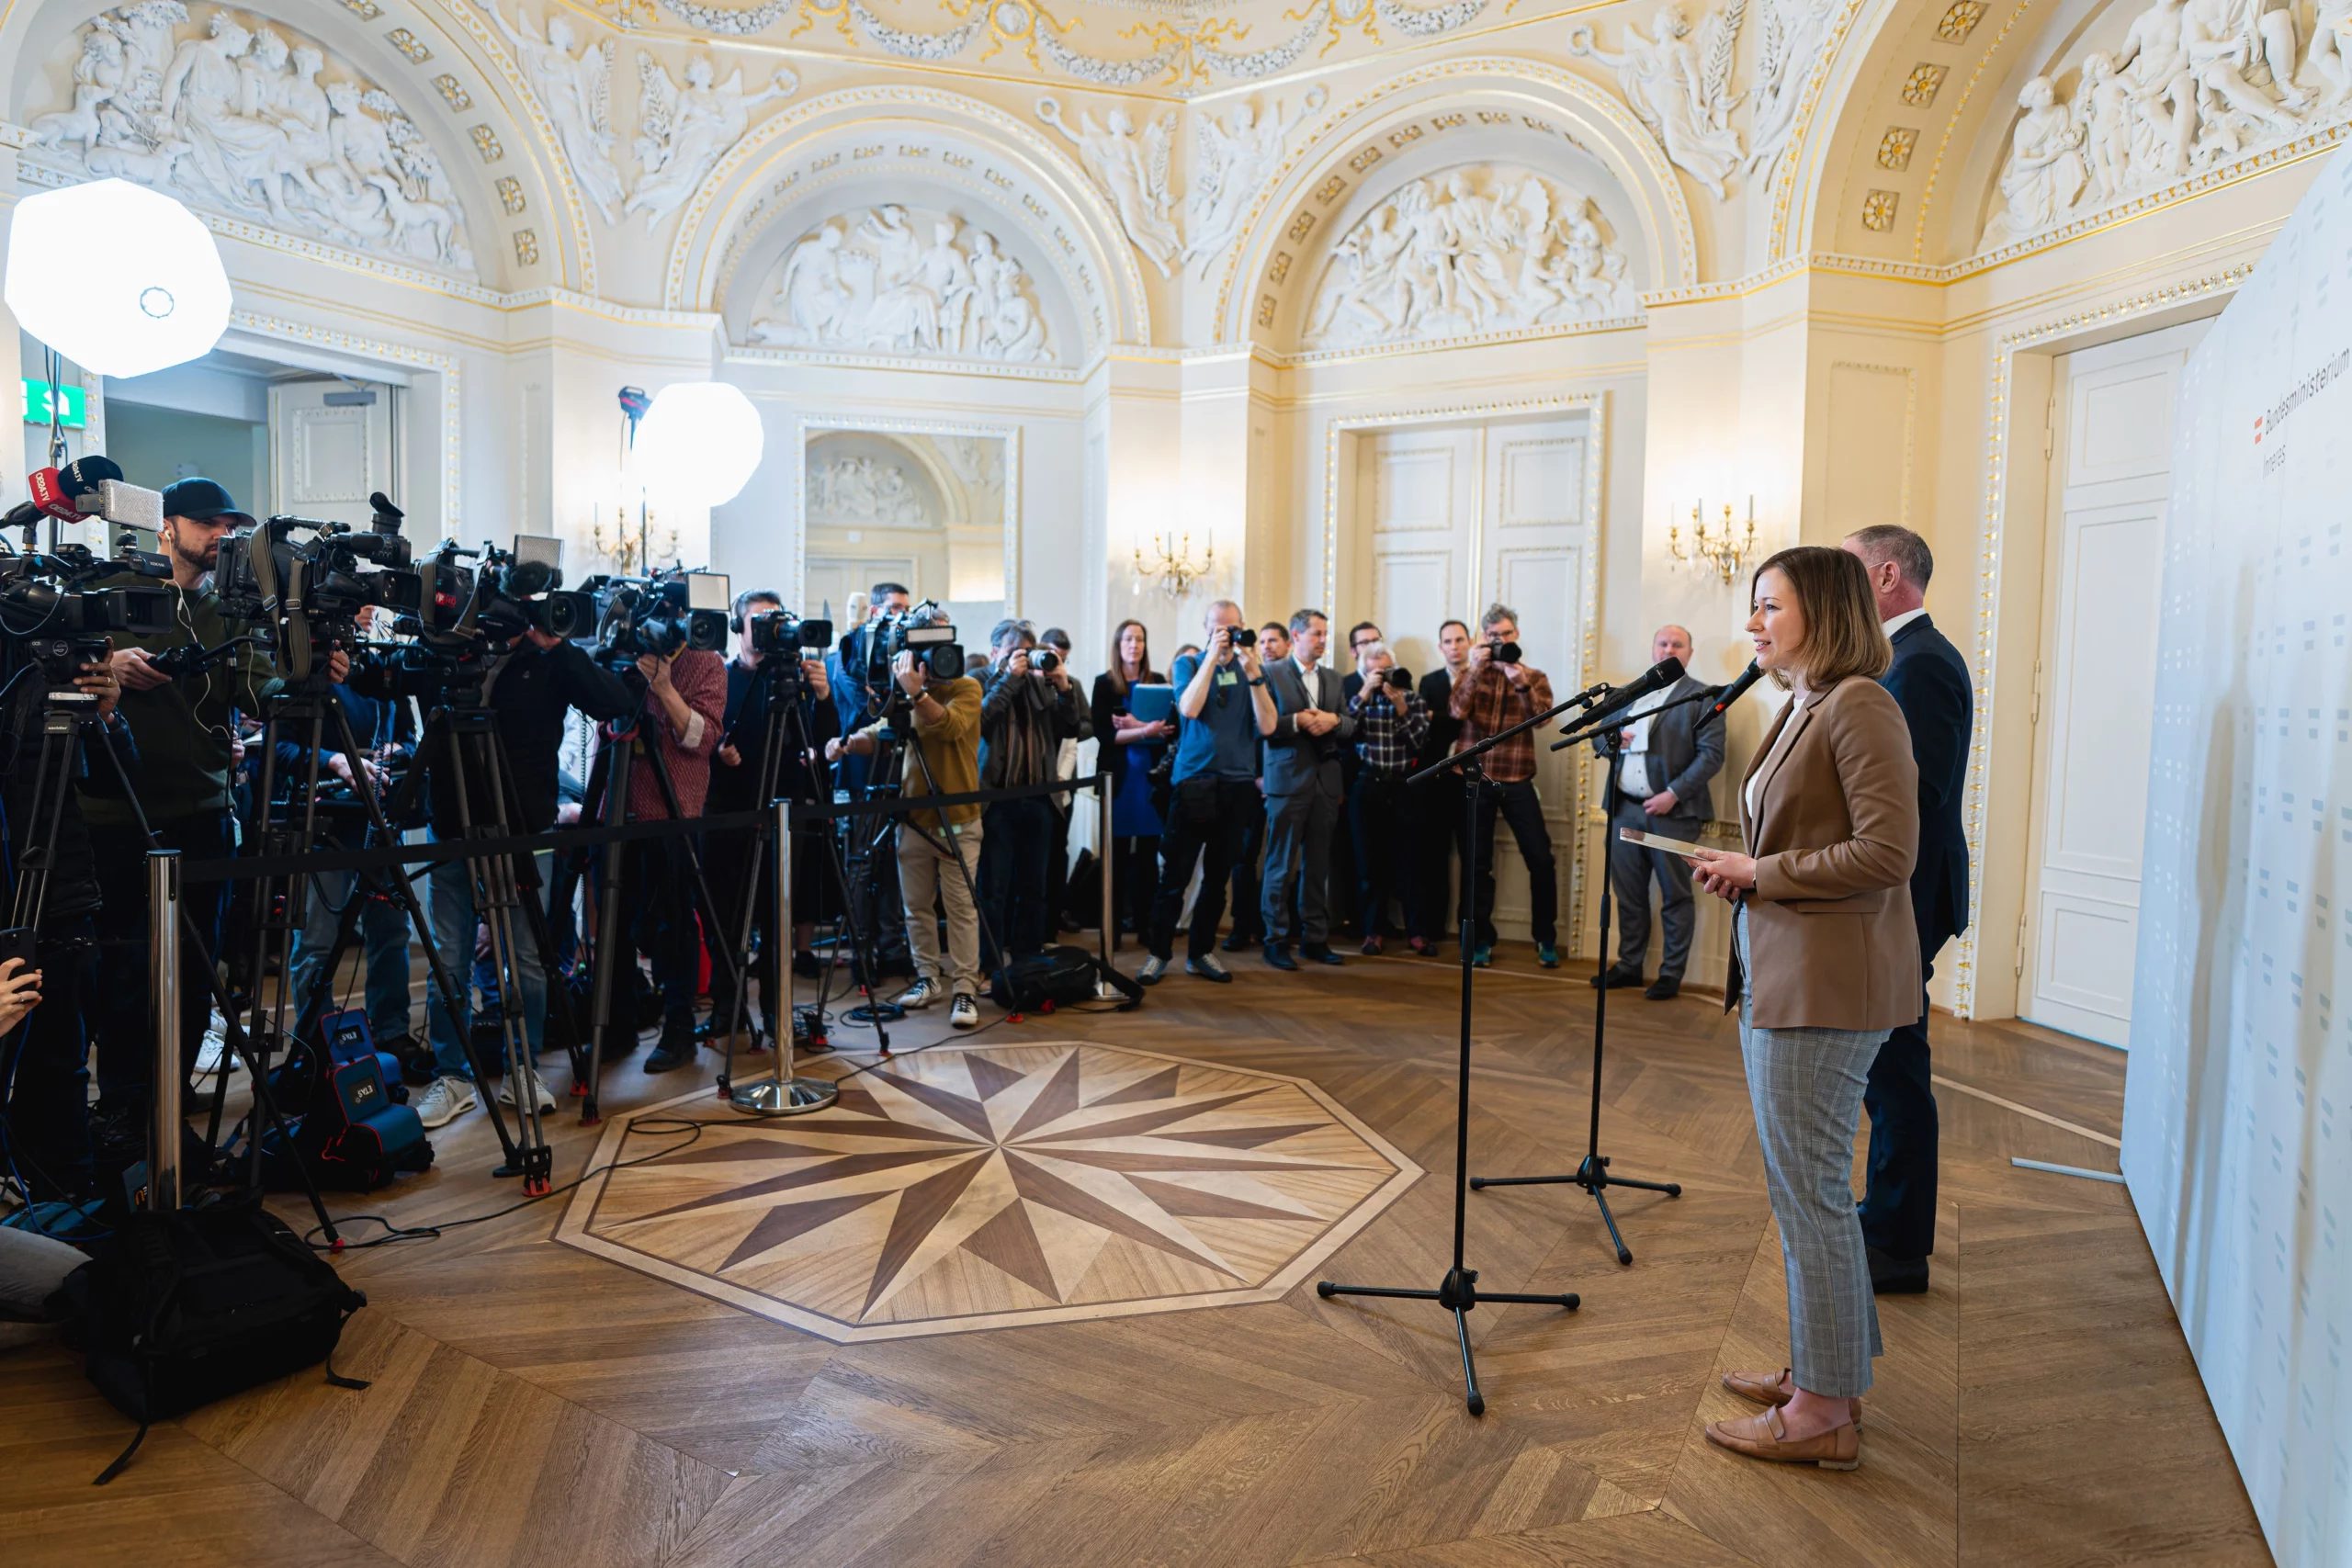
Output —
<point x="1657" y="784"/>
<point x="1304" y="793"/>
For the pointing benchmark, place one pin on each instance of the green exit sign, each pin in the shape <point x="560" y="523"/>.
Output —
<point x="37" y="403"/>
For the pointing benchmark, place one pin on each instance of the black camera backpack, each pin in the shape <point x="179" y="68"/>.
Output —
<point x="180" y="1308"/>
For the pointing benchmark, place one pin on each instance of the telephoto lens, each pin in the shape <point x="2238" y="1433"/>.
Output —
<point x="1044" y="662"/>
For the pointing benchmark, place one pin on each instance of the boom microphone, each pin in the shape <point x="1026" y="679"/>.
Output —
<point x="1662" y="674"/>
<point x="1732" y="694"/>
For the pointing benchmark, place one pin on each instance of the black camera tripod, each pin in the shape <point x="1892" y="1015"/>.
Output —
<point x="776" y="694"/>
<point x="69" y="721"/>
<point x="279" y="906"/>
<point x="626" y="744"/>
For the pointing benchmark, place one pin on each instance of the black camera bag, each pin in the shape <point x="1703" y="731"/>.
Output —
<point x="1060" y="976"/>
<point x="180" y="1308"/>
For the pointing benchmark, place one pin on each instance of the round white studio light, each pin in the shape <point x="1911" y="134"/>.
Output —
<point x="699" y="443"/>
<point x="117" y="278"/>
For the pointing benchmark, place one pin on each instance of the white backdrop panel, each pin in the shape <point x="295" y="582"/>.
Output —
<point x="2237" y="1123"/>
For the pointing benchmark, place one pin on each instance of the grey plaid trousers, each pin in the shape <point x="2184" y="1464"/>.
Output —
<point x="1806" y="1086"/>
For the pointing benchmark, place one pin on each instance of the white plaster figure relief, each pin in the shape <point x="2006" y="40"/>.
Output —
<point x="1470" y="251"/>
<point x="1796" y="35"/>
<point x="683" y="131"/>
<point x="1681" y="87"/>
<point x="2194" y="84"/>
<point x="577" y="93"/>
<point x="1235" y="157"/>
<point x="1132" y="167"/>
<point x="859" y="491"/>
<point x="231" y="116"/>
<point x="899" y="284"/>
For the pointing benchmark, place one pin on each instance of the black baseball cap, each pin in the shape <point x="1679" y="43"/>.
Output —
<point x="200" y="499"/>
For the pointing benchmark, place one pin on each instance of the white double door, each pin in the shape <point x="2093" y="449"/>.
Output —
<point x="333" y="443"/>
<point x="2111" y="422"/>
<point x="1453" y="518"/>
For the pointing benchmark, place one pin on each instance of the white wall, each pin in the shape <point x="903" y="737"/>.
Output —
<point x="2237" y="1129"/>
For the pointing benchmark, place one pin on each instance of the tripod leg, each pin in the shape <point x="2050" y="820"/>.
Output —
<point x="1624" y="1253"/>
<point x="1477" y="1401"/>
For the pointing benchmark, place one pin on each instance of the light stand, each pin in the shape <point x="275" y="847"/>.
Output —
<point x="1458" y="1292"/>
<point x="1592" y="1174"/>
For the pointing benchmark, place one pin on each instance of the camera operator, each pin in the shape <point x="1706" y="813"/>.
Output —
<point x="43" y="1064"/>
<point x="685" y="711"/>
<point x="734" y="786"/>
<point x="186" y="736"/>
<point x="384" y="731"/>
<point x="1031" y="707"/>
<point x="1221" y="693"/>
<point x="946" y="719"/>
<point x="532" y="683"/>
<point x="848" y="666"/>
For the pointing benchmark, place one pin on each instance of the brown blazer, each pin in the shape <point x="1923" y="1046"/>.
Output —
<point x="1836" y="831"/>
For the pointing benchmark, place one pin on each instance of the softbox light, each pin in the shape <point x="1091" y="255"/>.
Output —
<point x="117" y="278"/>
<point x="699" y="443"/>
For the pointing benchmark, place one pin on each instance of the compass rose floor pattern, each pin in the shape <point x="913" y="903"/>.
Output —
<point x="982" y="1188"/>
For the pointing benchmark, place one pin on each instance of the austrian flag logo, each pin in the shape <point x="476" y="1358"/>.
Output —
<point x="2258" y="430"/>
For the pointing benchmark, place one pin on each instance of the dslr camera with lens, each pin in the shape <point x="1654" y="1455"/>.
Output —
<point x="922" y="630"/>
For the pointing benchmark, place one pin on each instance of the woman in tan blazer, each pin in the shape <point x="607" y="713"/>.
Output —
<point x="1825" y="964"/>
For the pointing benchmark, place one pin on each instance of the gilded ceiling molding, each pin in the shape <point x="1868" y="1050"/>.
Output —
<point x="1628" y="151"/>
<point x="1803" y="161"/>
<point x="1952" y="124"/>
<point x="904" y="120"/>
<point x="2043" y="337"/>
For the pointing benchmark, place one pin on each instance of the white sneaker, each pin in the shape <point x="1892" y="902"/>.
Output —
<point x="444" y="1100"/>
<point x="213" y="1051"/>
<point x="1153" y="968"/>
<point x="964" y="1012"/>
<point x="538" y="1091"/>
<point x="921" y="993"/>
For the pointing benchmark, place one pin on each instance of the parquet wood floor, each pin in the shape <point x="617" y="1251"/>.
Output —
<point x="534" y="1404"/>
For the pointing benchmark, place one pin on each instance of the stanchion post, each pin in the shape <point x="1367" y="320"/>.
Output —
<point x="164" y="986"/>
<point x="782" y="1094"/>
<point x="1103" y="788"/>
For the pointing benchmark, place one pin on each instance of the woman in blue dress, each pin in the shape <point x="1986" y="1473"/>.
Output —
<point x="1132" y="748"/>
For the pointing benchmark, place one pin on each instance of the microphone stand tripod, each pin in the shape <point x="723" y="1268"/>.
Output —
<point x="1592" y="1175"/>
<point x="1458" y="1292"/>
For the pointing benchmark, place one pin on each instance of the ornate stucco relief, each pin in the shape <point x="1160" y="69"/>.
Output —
<point x="898" y="282"/>
<point x="231" y="115"/>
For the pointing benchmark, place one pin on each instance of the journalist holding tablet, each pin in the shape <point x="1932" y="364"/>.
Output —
<point x="1825" y="964"/>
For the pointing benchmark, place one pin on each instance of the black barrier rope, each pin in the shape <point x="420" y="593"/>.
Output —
<point x="244" y="868"/>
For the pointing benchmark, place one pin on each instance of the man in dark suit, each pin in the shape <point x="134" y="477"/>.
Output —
<point x="1657" y="784"/>
<point x="1930" y="682"/>
<point x="1303" y="793"/>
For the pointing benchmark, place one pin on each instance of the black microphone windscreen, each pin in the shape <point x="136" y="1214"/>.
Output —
<point x="1732" y="692"/>
<point x="1659" y="676"/>
<point x="84" y="475"/>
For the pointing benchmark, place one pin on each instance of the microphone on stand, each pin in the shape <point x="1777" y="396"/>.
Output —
<point x="1732" y="694"/>
<point x="1661" y="675"/>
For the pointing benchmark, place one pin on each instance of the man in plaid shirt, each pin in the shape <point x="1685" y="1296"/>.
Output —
<point x="1496" y="694"/>
<point x="1391" y="723"/>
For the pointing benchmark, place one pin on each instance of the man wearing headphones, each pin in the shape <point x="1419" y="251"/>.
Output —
<point x="186" y="732"/>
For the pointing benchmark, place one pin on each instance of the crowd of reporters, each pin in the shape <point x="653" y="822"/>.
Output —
<point x="1252" y="762"/>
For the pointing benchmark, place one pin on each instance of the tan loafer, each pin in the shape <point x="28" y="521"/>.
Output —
<point x="1765" y="1437"/>
<point x="1777" y="1391"/>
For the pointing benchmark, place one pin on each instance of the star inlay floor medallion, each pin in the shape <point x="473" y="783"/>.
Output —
<point x="956" y="1190"/>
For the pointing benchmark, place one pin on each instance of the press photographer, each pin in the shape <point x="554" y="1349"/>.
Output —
<point x="1030" y="707"/>
<point x="772" y="667"/>
<point x="526" y="677"/>
<point x="183" y="716"/>
<point x="937" y="859"/>
<point x="682" y="717"/>
<point x="63" y="704"/>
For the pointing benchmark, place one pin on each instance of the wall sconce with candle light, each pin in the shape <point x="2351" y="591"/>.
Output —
<point x="1721" y="545"/>
<point x="1171" y="566"/>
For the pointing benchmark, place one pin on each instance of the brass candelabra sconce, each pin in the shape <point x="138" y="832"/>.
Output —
<point x="1171" y="565"/>
<point x="1720" y="546"/>
<point x="632" y="545"/>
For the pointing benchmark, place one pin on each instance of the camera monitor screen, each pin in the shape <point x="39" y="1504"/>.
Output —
<point x="709" y="591"/>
